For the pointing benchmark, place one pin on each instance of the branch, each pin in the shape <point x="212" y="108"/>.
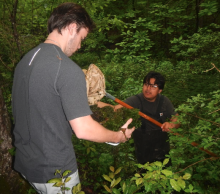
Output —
<point x="217" y="124"/>
<point x="214" y="67"/>
<point x="214" y="111"/>
<point x="212" y="158"/>
<point x="5" y="65"/>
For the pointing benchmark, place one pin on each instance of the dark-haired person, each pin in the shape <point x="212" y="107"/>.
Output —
<point x="50" y="102"/>
<point x="151" y="142"/>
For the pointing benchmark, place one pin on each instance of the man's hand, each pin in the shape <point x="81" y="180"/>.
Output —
<point x="127" y="132"/>
<point x="87" y="128"/>
<point x="170" y="125"/>
<point x="167" y="126"/>
<point x="102" y="104"/>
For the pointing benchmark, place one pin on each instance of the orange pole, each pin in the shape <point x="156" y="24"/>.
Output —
<point x="159" y="124"/>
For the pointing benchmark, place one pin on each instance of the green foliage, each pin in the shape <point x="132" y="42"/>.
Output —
<point x="199" y="49"/>
<point x="209" y="8"/>
<point x="31" y="191"/>
<point x="114" y="120"/>
<point x="11" y="151"/>
<point x="180" y="39"/>
<point x="112" y="179"/>
<point x="77" y="189"/>
<point x="60" y="182"/>
<point x="191" y="171"/>
<point x="155" y="179"/>
<point x="135" y="43"/>
<point x="199" y="118"/>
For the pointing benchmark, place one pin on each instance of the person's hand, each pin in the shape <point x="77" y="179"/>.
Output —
<point x="102" y="104"/>
<point x="167" y="126"/>
<point x="127" y="132"/>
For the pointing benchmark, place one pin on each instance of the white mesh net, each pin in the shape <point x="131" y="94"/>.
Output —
<point x="95" y="83"/>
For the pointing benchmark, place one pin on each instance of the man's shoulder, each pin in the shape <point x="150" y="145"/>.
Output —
<point x="166" y="99"/>
<point x="134" y="101"/>
<point x="136" y="97"/>
<point x="55" y="54"/>
<point x="167" y="105"/>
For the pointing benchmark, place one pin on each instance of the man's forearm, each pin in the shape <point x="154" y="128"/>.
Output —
<point x="174" y="122"/>
<point x="88" y="129"/>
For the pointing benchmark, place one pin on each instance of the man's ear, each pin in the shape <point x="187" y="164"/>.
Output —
<point x="72" y="28"/>
<point x="160" y="91"/>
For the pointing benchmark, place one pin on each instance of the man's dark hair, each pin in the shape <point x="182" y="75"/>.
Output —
<point x="68" y="13"/>
<point x="159" y="79"/>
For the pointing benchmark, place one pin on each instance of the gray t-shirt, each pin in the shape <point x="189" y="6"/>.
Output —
<point x="49" y="90"/>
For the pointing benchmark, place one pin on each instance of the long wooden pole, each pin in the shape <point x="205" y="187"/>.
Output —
<point x="155" y="122"/>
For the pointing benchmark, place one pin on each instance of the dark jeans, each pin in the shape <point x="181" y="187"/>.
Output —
<point x="151" y="146"/>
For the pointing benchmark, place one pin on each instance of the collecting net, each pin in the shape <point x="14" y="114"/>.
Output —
<point x="95" y="83"/>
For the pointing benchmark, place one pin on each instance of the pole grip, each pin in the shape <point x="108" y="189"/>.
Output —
<point x="109" y="96"/>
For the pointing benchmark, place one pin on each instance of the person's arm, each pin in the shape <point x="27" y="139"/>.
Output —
<point x="103" y="104"/>
<point x="170" y="125"/>
<point x="87" y="128"/>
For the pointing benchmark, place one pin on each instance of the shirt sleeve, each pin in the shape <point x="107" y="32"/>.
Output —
<point x="169" y="108"/>
<point x="134" y="102"/>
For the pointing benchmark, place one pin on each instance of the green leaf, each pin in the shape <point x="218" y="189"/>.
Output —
<point x="58" y="184"/>
<point x="118" y="180"/>
<point x="149" y="168"/>
<point x="181" y="183"/>
<point x="107" y="188"/>
<point x="57" y="172"/>
<point x="190" y="187"/>
<point x="115" y="191"/>
<point x="118" y="170"/>
<point x="187" y="176"/>
<point x="66" y="172"/>
<point x="175" y="185"/>
<point x="111" y="175"/>
<point x="67" y="179"/>
<point x="74" y="190"/>
<point x="55" y="180"/>
<point x="93" y="149"/>
<point x="147" y="187"/>
<point x="167" y="172"/>
<point x="112" y="183"/>
<point x="137" y="175"/>
<point x="165" y="161"/>
<point x="139" y="181"/>
<point x="123" y="187"/>
<point x="78" y="187"/>
<point x="107" y="178"/>
<point x="112" y="168"/>
<point x="158" y="163"/>
<point x="148" y="175"/>
<point x="88" y="150"/>
<point x="66" y="188"/>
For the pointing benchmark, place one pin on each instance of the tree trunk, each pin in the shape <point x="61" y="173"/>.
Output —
<point x="10" y="181"/>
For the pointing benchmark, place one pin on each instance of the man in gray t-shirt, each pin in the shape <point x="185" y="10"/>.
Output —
<point x="49" y="101"/>
<point x="151" y="141"/>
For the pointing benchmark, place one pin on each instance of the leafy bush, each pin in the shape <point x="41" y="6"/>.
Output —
<point x="199" y="117"/>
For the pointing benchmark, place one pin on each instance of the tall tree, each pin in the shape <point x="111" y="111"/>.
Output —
<point x="12" y="180"/>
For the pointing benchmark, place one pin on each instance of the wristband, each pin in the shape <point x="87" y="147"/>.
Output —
<point x="123" y="131"/>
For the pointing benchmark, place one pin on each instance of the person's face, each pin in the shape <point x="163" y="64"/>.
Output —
<point x="151" y="90"/>
<point x="74" y="42"/>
